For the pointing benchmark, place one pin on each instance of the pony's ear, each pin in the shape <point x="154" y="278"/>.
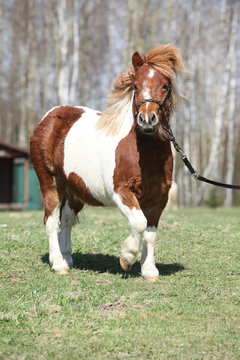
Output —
<point x="137" y="61"/>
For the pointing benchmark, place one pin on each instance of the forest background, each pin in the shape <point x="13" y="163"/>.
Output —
<point x="69" y="51"/>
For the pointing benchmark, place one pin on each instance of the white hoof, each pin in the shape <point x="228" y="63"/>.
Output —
<point x="61" y="272"/>
<point x="59" y="265"/>
<point x="150" y="272"/>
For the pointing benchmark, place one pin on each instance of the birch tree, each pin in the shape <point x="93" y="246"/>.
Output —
<point x="218" y="121"/>
<point x="63" y="76"/>
<point x="111" y="41"/>
<point x="44" y="62"/>
<point x="230" y="158"/>
<point x="75" y="55"/>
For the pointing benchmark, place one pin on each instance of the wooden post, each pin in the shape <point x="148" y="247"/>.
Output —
<point x="26" y="183"/>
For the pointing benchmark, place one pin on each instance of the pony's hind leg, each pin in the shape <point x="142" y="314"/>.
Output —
<point x="57" y="262"/>
<point x="68" y="219"/>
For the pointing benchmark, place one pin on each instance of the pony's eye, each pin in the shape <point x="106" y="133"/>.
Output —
<point x="135" y="87"/>
<point x="165" y="87"/>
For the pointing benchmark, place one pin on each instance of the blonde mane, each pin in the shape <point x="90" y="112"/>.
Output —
<point x="166" y="59"/>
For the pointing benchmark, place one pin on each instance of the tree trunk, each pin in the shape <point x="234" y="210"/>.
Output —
<point x="75" y="56"/>
<point x="212" y="167"/>
<point x="230" y="125"/>
<point x="63" y="76"/>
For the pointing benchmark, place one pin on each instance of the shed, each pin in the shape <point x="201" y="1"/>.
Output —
<point x="19" y="187"/>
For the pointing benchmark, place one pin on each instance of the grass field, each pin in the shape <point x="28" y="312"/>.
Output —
<point x="98" y="312"/>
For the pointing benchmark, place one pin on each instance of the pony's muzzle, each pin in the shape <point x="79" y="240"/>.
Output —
<point x="147" y="123"/>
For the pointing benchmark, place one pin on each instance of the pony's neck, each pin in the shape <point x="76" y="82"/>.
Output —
<point x="154" y="147"/>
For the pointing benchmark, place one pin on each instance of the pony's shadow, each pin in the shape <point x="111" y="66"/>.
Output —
<point x="104" y="263"/>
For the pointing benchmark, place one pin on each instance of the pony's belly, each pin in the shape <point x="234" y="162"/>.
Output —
<point x="88" y="183"/>
<point x="85" y="194"/>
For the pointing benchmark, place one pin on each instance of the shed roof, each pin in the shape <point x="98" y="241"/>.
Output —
<point x="9" y="150"/>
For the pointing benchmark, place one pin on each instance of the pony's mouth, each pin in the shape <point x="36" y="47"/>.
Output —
<point x="148" y="130"/>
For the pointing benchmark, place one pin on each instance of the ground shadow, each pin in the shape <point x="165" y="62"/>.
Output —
<point x="108" y="263"/>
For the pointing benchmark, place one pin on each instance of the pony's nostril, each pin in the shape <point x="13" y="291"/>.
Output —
<point x="153" y="119"/>
<point x="140" y="119"/>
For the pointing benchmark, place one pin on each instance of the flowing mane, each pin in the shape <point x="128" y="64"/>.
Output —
<point x="166" y="59"/>
<point x="118" y="102"/>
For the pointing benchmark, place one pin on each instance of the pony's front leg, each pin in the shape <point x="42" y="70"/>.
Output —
<point x="148" y="268"/>
<point x="129" y="207"/>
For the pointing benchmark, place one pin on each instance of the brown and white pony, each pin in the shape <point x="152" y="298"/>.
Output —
<point x="120" y="157"/>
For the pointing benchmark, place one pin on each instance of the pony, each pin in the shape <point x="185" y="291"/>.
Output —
<point x="120" y="157"/>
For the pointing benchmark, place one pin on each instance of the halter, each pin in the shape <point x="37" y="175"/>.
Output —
<point x="160" y="103"/>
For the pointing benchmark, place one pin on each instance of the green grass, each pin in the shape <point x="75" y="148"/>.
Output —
<point x="98" y="312"/>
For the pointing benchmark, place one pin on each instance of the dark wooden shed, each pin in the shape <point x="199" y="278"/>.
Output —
<point x="9" y="154"/>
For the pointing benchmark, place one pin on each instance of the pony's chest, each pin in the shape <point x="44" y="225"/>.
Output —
<point x="156" y="178"/>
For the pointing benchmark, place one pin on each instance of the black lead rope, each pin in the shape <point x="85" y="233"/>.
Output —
<point x="171" y="137"/>
<point x="187" y="163"/>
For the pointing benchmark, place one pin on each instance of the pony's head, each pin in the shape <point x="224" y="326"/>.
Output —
<point x="149" y="87"/>
<point x="155" y="94"/>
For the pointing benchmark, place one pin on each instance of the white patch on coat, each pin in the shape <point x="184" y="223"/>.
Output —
<point x="150" y="234"/>
<point x="151" y="74"/>
<point x="56" y="260"/>
<point x="146" y="95"/>
<point x="146" y="91"/>
<point x="90" y="154"/>
<point x="53" y="221"/>
<point x="136" y="218"/>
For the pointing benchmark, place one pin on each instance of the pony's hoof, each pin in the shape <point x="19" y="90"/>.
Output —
<point x="61" y="272"/>
<point x="125" y="266"/>
<point x="152" y="279"/>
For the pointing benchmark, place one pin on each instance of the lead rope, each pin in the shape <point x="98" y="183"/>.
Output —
<point x="171" y="137"/>
<point x="187" y="163"/>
